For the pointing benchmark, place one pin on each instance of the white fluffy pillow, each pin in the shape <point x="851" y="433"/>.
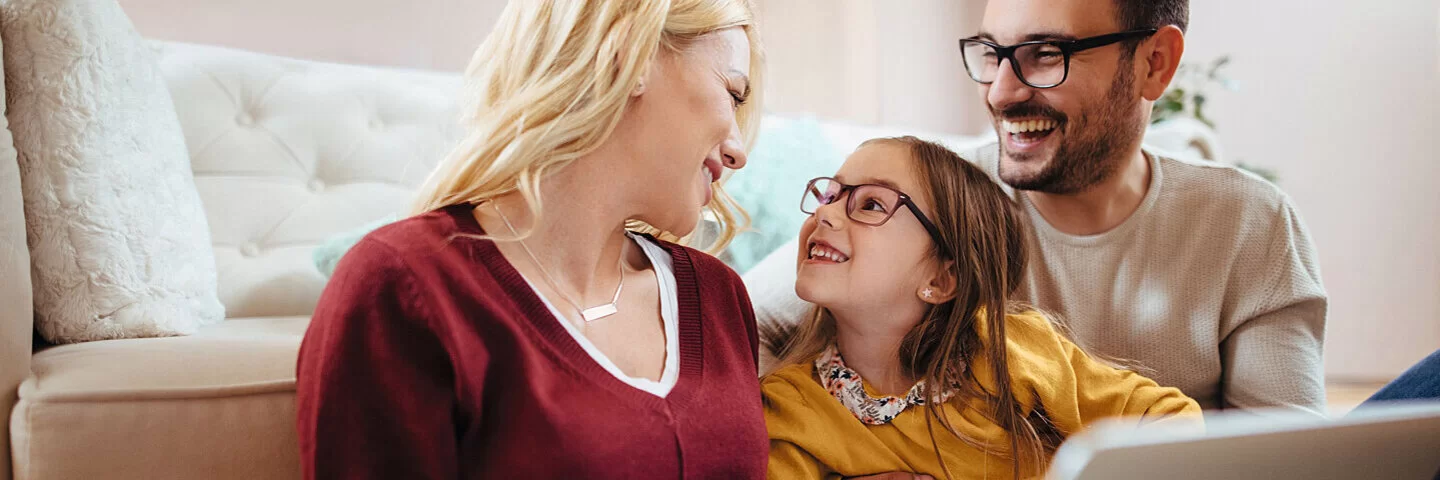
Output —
<point x="118" y="240"/>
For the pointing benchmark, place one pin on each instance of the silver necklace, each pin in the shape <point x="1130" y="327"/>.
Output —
<point x="589" y="314"/>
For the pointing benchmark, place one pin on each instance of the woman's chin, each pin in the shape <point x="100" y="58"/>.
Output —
<point x="679" y="224"/>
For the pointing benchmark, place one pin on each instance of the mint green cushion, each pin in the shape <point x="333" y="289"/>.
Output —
<point x="789" y="152"/>
<point x="327" y="254"/>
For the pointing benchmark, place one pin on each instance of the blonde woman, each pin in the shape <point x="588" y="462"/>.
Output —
<point x="520" y="325"/>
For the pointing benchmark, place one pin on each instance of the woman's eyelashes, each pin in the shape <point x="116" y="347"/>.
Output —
<point x="738" y="98"/>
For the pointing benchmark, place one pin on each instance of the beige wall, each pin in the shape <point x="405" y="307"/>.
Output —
<point x="427" y="34"/>
<point x="1340" y="97"/>
<point x="864" y="62"/>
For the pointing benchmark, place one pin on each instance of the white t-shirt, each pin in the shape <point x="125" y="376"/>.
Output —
<point x="664" y="268"/>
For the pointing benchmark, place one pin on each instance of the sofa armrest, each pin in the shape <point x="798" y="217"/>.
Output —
<point x="17" y="320"/>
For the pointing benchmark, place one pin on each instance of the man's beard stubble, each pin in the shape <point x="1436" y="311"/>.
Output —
<point x="1093" y="153"/>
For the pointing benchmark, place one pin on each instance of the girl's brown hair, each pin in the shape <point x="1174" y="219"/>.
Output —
<point x="986" y="234"/>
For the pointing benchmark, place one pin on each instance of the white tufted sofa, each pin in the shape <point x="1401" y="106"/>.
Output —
<point x="286" y="153"/>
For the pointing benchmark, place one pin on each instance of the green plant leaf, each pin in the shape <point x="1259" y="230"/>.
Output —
<point x="1217" y="64"/>
<point x="1199" y="101"/>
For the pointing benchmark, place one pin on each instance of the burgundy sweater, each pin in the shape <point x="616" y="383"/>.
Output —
<point x="430" y="357"/>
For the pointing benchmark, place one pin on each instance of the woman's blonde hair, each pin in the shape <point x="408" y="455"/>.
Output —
<point x="551" y="83"/>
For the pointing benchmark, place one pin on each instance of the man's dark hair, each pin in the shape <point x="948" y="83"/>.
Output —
<point x="1142" y="14"/>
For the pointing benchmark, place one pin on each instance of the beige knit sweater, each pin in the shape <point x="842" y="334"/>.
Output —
<point x="1212" y="286"/>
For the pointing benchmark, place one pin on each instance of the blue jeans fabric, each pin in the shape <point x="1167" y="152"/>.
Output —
<point x="1420" y="382"/>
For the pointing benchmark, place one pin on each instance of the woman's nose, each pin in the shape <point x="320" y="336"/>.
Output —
<point x="732" y="150"/>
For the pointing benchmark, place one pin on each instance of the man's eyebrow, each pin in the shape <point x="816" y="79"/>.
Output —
<point x="1038" y="36"/>
<point x="1030" y="37"/>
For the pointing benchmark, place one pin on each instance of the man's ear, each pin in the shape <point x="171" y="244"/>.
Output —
<point x="941" y="285"/>
<point x="1158" y="61"/>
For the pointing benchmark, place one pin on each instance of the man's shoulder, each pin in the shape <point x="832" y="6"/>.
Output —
<point x="1202" y="182"/>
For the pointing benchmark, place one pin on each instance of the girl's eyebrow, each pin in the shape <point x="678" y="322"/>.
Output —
<point x="880" y="181"/>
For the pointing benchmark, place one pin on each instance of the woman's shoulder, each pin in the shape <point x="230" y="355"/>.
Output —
<point x="418" y="234"/>
<point x="429" y="244"/>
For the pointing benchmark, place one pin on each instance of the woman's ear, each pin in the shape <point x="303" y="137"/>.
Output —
<point x="941" y="285"/>
<point x="646" y="77"/>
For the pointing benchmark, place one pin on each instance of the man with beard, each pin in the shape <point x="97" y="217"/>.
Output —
<point x="1202" y="274"/>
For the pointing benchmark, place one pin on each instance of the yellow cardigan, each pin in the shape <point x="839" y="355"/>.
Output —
<point x="813" y="436"/>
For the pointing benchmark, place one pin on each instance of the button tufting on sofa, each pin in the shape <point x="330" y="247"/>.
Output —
<point x="244" y="119"/>
<point x="316" y="185"/>
<point x="251" y="249"/>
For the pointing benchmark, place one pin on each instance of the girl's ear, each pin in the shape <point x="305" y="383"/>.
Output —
<point x="941" y="285"/>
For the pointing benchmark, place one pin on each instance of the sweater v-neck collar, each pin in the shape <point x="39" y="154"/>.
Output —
<point x="553" y="336"/>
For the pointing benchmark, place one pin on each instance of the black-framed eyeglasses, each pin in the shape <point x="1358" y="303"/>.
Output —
<point x="1038" y="64"/>
<point x="869" y="204"/>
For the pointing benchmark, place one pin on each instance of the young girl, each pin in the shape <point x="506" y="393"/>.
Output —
<point x="915" y="359"/>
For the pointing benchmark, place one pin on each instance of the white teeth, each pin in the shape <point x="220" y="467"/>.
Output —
<point x="1027" y="126"/>
<point x="822" y="252"/>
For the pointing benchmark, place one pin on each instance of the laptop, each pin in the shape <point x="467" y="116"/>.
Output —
<point x="1396" y="441"/>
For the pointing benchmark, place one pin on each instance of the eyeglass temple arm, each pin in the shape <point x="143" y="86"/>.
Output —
<point x="1103" y="40"/>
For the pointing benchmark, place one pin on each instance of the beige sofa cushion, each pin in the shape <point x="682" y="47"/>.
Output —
<point x="218" y="405"/>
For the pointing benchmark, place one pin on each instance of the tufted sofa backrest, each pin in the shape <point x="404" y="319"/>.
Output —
<point x="288" y="153"/>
